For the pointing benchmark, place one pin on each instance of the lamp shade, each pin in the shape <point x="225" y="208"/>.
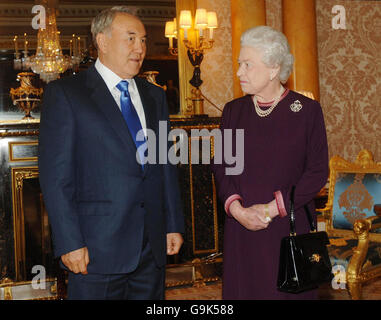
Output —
<point x="169" y="29"/>
<point x="185" y="19"/>
<point x="212" y="20"/>
<point x="175" y="27"/>
<point x="201" y="19"/>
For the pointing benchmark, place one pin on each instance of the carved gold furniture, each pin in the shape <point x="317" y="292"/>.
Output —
<point x="200" y="256"/>
<point x="352" y="226"/>
<point x="28" y="270"/>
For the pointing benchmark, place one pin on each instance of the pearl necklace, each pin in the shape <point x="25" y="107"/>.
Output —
<point x="265" y="113"/>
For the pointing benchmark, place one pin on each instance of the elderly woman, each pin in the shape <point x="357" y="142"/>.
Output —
<point x="285" y="144"/>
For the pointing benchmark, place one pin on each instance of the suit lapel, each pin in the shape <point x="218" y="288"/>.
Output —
<point x="148" y="103"/>
<point x="150" y="111"/>
<point x="105" y="102"/>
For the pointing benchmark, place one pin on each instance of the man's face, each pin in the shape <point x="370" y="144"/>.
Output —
<point x="122" y="48"/>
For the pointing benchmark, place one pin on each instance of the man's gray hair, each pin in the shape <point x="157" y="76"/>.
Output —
<point x="102" y="22"/>
<point x="275" y="48"/>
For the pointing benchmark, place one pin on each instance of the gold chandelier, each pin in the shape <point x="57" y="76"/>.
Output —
<point x="49" y="61"/>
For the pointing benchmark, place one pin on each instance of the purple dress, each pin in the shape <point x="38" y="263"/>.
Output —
<point x="283" y="149"/>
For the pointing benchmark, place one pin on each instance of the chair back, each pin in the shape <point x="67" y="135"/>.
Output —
<point x="354" y="189"/>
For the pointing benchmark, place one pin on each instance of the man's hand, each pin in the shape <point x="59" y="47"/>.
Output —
<point x="77" y="260"/>
<point x="174" y="242"/>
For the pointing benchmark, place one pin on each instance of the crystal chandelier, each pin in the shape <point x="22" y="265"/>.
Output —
<point x="49" y="61"/>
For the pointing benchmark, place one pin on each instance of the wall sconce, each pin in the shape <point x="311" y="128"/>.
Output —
<point x="171" y="33"/>
<point x="196" y="43"/>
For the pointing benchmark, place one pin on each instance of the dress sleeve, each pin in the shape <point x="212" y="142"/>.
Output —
<point x="316" y="166"/>
<point x="226" y="184"/>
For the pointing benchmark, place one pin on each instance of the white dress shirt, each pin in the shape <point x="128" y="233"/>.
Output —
<point x="112" y="80"/>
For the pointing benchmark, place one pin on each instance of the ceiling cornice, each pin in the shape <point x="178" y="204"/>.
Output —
<point x="81" y="13"/>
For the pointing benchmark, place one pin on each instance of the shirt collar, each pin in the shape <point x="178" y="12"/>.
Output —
<point x="111" y="78"/>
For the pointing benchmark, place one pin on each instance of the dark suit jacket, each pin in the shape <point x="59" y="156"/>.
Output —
<point x="95" y="192"/>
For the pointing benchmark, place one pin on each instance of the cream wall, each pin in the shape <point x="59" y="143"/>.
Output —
<point x="349" y="71"/>
<point x="217" y="67"/>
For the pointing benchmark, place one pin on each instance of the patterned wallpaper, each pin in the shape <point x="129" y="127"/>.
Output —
<point x="350" y="77"/>
<point x="274" y="14"/>
<point x="349" y="71"/>
<point x="217" y="68"/>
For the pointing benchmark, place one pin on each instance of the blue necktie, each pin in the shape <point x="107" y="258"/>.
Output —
<point x="130" y="115"/>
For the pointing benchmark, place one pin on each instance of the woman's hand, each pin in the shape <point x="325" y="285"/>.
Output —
<point x="268" y="211"/>
<point x="249" y="217"/>
<point x="255" y="217"/>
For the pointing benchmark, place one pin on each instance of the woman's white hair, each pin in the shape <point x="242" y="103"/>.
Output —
<point x="275" y="48"/>
<point x="102" y="22"/>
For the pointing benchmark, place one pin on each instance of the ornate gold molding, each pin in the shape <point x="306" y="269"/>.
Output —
<point x="18" y="175"/>
<point x="187" y="128"/>
<point x="77" y="13"/>
<point x="19" y="133"/>
<point x="12" y="157"/>
<point x="214" y="202"/>
<point x="355" y="276"/>
<point x="22" y="290"/>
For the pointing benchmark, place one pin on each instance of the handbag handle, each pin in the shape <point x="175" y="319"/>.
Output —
<point x="292" y="215"/>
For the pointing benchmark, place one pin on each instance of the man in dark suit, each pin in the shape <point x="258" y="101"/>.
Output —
<point x="113" y="219"/>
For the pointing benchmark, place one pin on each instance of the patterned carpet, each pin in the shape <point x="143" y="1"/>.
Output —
<point x="212" y="291"/>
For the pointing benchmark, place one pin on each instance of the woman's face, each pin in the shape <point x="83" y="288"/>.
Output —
<point x="253" y="74"/>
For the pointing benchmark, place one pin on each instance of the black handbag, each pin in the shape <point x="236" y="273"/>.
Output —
<point x="304" y="261"/>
